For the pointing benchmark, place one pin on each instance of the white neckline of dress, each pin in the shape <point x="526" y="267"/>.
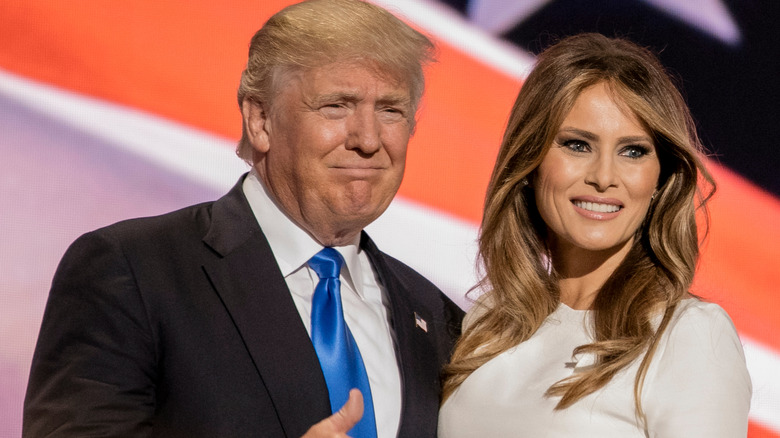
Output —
<point x="569" y="309"/>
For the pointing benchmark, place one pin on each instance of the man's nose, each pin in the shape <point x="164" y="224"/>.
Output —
<point x="364" y="131"/>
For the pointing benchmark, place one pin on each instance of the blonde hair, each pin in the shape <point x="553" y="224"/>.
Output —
<point x="657" y="272"/>
<point x="318" y="32"/>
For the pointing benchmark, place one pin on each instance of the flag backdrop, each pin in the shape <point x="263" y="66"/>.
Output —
<point x="111" y="110"/>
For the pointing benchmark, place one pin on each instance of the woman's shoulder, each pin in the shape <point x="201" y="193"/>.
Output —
<point x="693" y="312"/>
<point x="702" y="332"/>
<point x="698" y="362"/>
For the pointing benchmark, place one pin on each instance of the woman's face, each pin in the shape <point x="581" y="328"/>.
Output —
<point x="595" y="184"/>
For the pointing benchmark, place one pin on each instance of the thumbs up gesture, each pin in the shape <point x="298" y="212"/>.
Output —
<point x="338" y="424"/>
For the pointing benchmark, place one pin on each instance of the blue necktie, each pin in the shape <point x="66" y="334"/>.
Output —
<point x="336" y="349"/>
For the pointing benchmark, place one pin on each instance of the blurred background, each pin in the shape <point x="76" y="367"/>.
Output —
<point x="111" y="110"/>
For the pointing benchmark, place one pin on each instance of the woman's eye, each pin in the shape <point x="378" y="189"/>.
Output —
<point x="635" y="151"/>
<point x="576" y="145"/>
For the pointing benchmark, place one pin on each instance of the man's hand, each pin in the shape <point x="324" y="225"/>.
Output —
<point x="338" y="424"/>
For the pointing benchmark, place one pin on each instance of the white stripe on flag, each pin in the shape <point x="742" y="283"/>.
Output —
<point x="197" y="155"/>
<point x="763" y="365"/>
<point x="449" y="26"/>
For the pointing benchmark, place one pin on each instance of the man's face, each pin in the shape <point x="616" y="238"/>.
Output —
<point x="331" y="147"/>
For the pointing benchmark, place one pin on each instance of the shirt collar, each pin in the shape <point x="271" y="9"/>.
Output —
<point x="291" y="245"/>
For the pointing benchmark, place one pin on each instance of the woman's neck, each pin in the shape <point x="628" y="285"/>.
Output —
<point x="582" y="272"/>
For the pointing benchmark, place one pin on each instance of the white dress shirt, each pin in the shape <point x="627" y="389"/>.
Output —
<point x="363" y="299"/>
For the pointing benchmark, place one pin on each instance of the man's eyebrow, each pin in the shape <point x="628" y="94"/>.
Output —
<point x="336" y="97"/>
<point x="399" y="98"/>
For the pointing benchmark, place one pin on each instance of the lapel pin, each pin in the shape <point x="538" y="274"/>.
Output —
<point x="419" y="322"/>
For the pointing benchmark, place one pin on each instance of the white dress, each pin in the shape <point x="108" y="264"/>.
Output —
<point x="697" y="385"/>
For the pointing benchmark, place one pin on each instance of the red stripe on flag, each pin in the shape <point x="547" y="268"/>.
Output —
<point x="755" y="430"/>
<point x="181" y="60"/>
<point x="740" y="264"/>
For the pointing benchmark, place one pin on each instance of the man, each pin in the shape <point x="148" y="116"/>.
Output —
<point x="201" y="322"/>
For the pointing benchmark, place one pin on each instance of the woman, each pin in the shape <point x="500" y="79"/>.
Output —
<point x="589" y="244"/>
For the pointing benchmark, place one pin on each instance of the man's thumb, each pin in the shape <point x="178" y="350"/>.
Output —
<point x="349" y="414"/>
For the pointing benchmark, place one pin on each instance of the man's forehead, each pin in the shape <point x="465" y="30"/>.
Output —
<point x="350" y="80"/>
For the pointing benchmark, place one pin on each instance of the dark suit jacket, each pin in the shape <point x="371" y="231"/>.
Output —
<point x="182" y="325"/>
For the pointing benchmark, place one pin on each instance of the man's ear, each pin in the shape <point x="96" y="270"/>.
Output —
<point x="255" y="118"/>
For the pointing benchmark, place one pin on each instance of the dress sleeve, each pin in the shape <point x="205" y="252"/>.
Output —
<point x="698" y="384"/>
<point x="93" y="370"/>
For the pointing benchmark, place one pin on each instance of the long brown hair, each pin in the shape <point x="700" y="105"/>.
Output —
<point x="658" y="270"/>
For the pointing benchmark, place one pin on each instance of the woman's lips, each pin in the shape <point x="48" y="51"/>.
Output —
<point x="597" y="207"/>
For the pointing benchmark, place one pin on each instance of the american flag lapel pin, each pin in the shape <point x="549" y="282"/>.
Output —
<point x="419" y="322"/>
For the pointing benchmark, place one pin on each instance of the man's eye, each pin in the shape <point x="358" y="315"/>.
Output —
<point x="576" y="145"/>
<point x="391" y="114"/>
<point x="334" y="110"/>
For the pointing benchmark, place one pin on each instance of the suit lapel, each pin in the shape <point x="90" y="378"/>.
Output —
<point x="417" y="358"/>
<point x="252" y="288"/>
